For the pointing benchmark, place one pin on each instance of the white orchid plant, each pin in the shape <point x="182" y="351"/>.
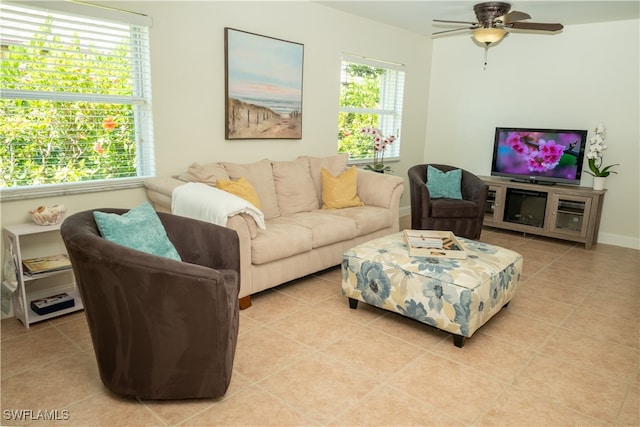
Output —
<point x="380" y="144"/>
<point x="595" y="154"/>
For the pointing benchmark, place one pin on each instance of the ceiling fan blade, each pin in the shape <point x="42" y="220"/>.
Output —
<point x="516" y="16"/>
<point x="536" y="26"/>
<point x="450" y="31"/>
<point x="455" y="22"/>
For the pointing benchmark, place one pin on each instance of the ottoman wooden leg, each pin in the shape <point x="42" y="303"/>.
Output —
<point x="458" y="341"/>
<point x="353" y="303"/>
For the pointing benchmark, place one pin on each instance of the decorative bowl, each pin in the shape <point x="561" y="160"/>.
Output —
<point x="52" y="215"/>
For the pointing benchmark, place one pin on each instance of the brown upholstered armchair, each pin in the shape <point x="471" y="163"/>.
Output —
<point x="161" y="329"/>
<point x="462" y="217"/>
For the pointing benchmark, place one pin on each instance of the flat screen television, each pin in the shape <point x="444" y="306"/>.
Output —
<point x="545" y="156"/>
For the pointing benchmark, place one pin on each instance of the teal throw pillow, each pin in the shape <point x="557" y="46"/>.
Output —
<point x="444" y="184"/>
<point x="139" y="229"/>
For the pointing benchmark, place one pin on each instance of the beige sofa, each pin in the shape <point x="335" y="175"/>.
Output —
<point x="300" y="237"/>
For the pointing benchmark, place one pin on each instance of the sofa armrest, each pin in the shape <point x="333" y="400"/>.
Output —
<point x="379" y="189"/>
<point x="160" y="192"/>
<point x="163" y="186"/>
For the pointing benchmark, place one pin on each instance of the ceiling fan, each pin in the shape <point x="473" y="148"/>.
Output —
<point x="494" y="19"/>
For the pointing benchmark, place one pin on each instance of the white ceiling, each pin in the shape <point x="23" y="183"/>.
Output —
<point x="417" y="16"/>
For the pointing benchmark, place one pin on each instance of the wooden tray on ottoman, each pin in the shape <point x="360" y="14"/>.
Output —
<point x="445" y="244"/>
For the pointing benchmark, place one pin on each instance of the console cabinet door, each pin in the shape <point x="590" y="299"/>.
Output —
<point x="570" y="215"/>
<point x="494" y="208"/>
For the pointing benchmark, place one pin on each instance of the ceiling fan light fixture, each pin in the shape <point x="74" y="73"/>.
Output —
<point x="489" y="35"/>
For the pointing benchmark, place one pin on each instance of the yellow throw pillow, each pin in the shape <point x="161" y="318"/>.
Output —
<point x="241" y="188"/>
<point x="340" y="191"/>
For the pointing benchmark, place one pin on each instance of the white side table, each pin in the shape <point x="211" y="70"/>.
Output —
<point x="42" y="285"/>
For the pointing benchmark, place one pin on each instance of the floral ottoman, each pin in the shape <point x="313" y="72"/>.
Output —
<point x="455" y="295"/>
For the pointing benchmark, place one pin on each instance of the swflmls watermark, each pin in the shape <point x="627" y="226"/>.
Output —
<point x="36" y="415"/>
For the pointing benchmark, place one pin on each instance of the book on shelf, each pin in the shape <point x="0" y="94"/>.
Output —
<point x="46" y="264"/>
<point x="434" y="243"/>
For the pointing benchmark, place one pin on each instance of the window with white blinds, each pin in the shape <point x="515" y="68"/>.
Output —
<point x="75" y="99"/>
<point x="371" y="95"/>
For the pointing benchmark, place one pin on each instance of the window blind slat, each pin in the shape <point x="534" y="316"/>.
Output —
<point x="67" y="97"/>
<point x="377" y="63"/>
<point x="84" y="10"/>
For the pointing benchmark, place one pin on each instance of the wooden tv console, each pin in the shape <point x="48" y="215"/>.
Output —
<point x="560" y="211"/>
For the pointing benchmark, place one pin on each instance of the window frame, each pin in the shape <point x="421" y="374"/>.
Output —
<point x="139" y="25"/>
<point x="391" y="106"/>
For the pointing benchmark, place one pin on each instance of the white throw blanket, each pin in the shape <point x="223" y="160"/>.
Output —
<point x="201" y="201"/>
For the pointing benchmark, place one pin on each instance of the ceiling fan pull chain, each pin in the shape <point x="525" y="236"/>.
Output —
<point x="486" y="54"/>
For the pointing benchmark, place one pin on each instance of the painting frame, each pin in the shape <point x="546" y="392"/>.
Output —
<point x="263" y="86"/>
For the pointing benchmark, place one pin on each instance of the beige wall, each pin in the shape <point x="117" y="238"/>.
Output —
<point x="188" y="76"/>
<point x="573" y="80"/>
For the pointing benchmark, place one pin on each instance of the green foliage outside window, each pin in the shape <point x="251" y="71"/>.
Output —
<point x="360" y="89"/>
<point x="65" y="128"/>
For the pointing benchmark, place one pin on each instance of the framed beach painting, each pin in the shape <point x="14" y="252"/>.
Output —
<point x="263" y="86"/>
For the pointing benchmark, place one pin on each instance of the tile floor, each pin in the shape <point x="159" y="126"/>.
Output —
<point x="565" y="352"/>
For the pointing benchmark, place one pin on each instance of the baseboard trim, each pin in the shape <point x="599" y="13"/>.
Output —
<point x="619" y="240"/>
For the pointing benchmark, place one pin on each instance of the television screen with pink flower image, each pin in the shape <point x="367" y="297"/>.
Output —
<point x="544" y="156"/>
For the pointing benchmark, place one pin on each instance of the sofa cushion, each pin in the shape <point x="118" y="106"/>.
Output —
<point x="139" y="229"/>
<point x="207" y="173"/>
<point x="334" y="164"/>
<point x="325" y="229"/>
<point x="453" y="208"/>
<point x="280" y="240"/>
<point x="260" y="175"/>
<point x="340" y="191"/>
<point x="241" y="188"/>
<point x="367" y="218"/>
<point x="294" y="186"/>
